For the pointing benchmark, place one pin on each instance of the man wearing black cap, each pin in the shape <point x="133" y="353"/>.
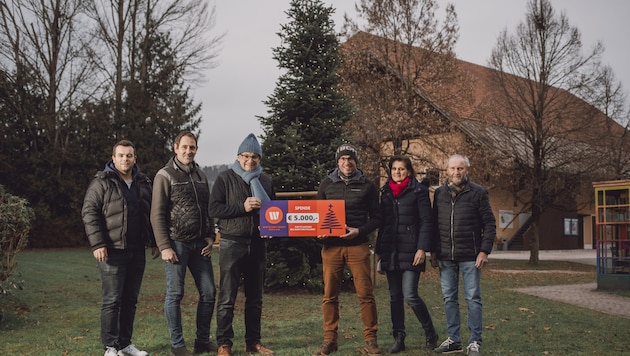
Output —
<point x="363" y="216"/>
<point x="236" y="198"/>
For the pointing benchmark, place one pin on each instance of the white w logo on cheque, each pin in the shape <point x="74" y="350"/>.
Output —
<point x="274" y="215"/>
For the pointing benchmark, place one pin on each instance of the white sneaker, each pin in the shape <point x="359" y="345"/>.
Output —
<point x="473" y="349"/>
<point x="111" y="351"/>
<point x="132" y="350"/>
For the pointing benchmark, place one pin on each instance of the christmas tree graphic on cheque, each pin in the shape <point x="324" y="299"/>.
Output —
<point x="330" y="221"/>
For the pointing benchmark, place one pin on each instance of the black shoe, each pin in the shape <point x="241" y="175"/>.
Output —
<point x="432" y="342"/>
<point x="399" y="343"/>
<point x="449" y="346"/>
<point x="202" y="347"/>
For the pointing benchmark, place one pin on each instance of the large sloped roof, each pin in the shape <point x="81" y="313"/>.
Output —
<point x="483" y="118"/>
<point x="567" y="155"/>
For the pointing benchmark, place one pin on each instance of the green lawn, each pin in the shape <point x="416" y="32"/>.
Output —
<point x="57" y="313"/>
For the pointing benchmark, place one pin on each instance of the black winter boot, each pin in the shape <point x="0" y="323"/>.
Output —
<point x="432" y="342"/>
<point x="399" y="343"/>
<point x="422" y="313"/>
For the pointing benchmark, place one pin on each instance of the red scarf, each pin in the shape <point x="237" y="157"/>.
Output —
<point x="397" y="188"/>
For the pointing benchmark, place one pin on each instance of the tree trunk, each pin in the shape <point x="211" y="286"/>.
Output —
<point x="534" y="246"/>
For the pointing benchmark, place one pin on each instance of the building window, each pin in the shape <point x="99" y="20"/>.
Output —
<point x="432" y="175"/>
<point x="506" y="219"/>
<point x="571" y="227"/>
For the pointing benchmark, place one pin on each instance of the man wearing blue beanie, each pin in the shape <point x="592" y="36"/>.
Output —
<point x="236" y="199"/>
<point x="250" y="144"/>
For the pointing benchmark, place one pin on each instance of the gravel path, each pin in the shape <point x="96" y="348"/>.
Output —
<point x="583" y="295"/>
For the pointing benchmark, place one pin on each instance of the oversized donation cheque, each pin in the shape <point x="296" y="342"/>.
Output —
<point x="295" y="218"/>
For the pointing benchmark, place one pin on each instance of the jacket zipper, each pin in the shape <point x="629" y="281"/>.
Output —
<point x="192" y="181"/>
<point x="452" y="228"/>
<point x="452" y="232"/>
<point x="123" y="237"/>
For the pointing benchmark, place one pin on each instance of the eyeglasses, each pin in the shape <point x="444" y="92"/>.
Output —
<point x="250" y="157"/>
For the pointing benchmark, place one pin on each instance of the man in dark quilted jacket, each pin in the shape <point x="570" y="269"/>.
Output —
<point x="363" y="216"/>
<point x="184" y="233"/>
<point x="115" y="214"/>
<point x="466" y="229"/>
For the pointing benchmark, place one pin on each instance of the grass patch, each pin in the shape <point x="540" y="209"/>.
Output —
<point x="58" y="313"/>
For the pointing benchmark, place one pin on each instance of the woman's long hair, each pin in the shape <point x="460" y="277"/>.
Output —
<point x="406" y="160"/>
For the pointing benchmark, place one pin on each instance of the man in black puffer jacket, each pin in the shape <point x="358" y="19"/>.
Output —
<point x="115" y="213"/>
<point x="466" y="229"/>
<point x="363" y="216"/>
<point x="236" y="199"/>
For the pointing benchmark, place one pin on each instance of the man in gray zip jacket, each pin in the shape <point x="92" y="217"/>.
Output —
<point x="184" y="233"/>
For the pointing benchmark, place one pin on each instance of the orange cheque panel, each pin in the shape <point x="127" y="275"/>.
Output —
<point x="301" y="218"/>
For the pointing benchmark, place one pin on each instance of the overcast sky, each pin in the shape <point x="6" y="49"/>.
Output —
<point x="246" y="73"/>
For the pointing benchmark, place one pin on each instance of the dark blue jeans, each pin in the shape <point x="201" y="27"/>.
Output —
<point x="403" y="286"/>
<point x="121" y="279"/>
<point x="190" y="257"/>
<point x="238" y="259"/>
<point x="471" y="280"/>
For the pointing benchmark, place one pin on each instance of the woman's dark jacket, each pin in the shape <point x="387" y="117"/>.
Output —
<point x="104" y="210"/>
<point x="406" y="228"/>
<point x="229" y="192"/>
<point x="179" y="210"/>
<point x="465" y="222"/>
<point x="361" y="201"/>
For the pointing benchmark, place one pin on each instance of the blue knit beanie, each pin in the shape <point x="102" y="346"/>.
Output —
<point x="250" y="144"/>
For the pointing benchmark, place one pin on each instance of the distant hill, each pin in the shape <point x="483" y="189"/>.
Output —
<point x="213" y="172"/>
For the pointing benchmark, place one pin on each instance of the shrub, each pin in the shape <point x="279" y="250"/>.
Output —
<point x="15" y="219"/>
<point x="294" y="263"/>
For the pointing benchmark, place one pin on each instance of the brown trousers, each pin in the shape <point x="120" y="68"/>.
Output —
<point x="357" y="258"/>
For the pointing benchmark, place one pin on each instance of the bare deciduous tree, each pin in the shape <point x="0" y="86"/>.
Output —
<point x="63" y="85"/>
<point x="544" y="92"/>
<point x="42" y="40"/>
<point x="395" y="76"/>
<point x="609" y="97"/>
<point x="43" y="56"/>
<point x="124" y="31"/>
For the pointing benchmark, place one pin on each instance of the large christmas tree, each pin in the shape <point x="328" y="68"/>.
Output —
<point x="307" y="110"/>
<point x="304" y="127"/>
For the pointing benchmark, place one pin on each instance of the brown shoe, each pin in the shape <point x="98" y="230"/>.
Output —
<point x="371" y="348"/>
<point x="225" y="350"/>
<point x="202" y="347"/>
<point x="258" y="348"/>
<point x="180" y="351"/>
<point x="326" y="349"/>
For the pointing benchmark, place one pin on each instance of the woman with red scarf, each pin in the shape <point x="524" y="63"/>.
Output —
<point x="402" y="243"/>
